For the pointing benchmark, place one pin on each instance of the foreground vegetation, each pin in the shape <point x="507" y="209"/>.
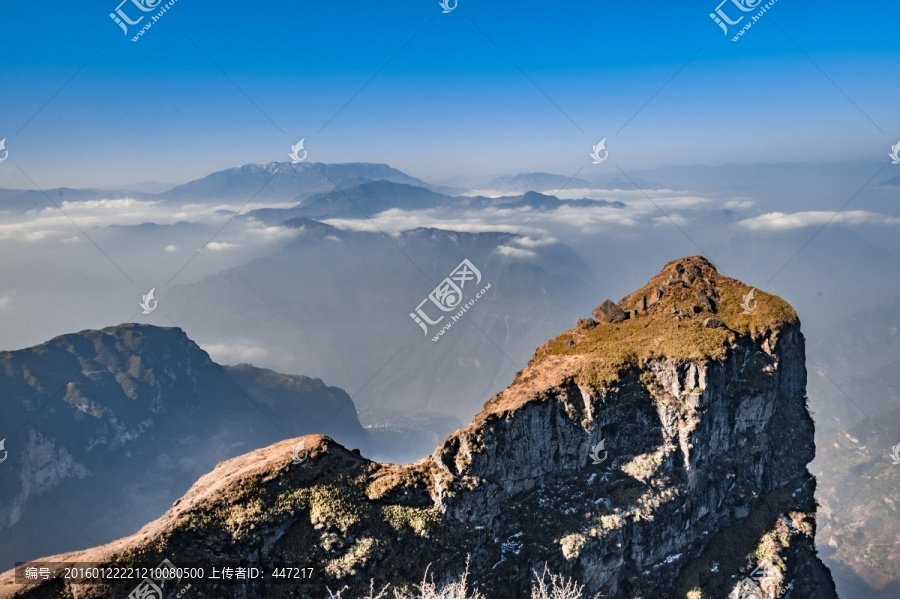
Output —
<point x="545" y="586"/>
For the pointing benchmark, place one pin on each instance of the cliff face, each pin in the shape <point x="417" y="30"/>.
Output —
<point x="656" y="456"/>
<point x="105" y="423"/>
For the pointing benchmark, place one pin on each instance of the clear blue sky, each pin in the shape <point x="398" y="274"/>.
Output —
<point x="450" y="102"/>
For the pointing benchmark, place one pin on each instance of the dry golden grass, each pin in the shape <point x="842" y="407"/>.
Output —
<point x="658" y="332"/>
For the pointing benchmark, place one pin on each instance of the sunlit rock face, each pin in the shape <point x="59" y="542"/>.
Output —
<point x="650" y="456"/>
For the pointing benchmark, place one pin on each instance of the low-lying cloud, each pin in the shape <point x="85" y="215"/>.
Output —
<point x="782" y="221"/>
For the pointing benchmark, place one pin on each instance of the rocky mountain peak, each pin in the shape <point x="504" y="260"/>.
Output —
<point x="649" y="456"/>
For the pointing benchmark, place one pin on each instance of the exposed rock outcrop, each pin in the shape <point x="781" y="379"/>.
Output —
<point x="706" y="436"/>
<point x="609" y="312"/>
<point x="110" y="415"/>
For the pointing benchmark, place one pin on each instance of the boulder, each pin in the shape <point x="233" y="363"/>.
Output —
<point x="586" y="323"/>
<point x="690" y="273"/>
<point x="609" y="312"/>
<point x="712" y="323"/>
<point x="705" y="301"/>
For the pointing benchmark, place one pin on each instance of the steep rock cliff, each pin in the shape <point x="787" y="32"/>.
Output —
<point x="663" y="455"/>
<point x="115" y="424"/>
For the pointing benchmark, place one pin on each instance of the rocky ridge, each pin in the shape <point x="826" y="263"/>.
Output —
<point x="115" y="424"/>
<point x="647" y="454"/>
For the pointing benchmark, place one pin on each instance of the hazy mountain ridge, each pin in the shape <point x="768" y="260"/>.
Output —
<point x="129" y="416"/>
<point x="859" y="512"/>
<point x="373" y="283"/>
<point x="284" y="181"/>
<point x="370" y="198"/>
<point x="703" y="476"/>
<point x="280" y="181"/>
<point x="534" y="182"/>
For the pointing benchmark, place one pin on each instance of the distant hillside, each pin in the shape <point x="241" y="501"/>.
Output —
<point x="284" y="181"/>
<point x="115" y="424"/>
<point x="371" y="284"/>
<point x="373" y="197"/>
<point x="275" y="181"/>
<point x="534" y="182"/>
<point x="859" y="486"/>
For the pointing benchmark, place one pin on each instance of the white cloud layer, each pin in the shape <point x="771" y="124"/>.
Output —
<point x="738" y="204"/>
<point x="781" y="221"/>
<point x="511" y="252"/>
<point x="236" y="352"/>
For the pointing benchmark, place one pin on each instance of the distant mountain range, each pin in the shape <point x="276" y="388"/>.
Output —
<point x="320" y="190"/>
<point x="284" y="181"/>
<point x="287" y="182"/>
<point x="281" y="181"/>
<point x="856" y="384"/>
<point x="115" y="424"/>
<point x="534" y="182"/>
<point x="373" y="197"/>
<point x="371" y="283"/>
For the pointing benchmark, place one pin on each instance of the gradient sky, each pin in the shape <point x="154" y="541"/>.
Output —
<point x="459" y="97"/>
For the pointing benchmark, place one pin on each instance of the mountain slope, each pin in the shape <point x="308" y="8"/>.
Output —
<point x="702" y="410"/>
<point x="113" y="425"/>
<point x="370" y="198"/>
<point x="533" y="182"/>
<point x="283" y="181"/>
<point x="857" y="384"/>
<point x="371" y="283"/>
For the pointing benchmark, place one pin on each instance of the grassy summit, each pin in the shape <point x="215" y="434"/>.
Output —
<point x="673" y="316"/>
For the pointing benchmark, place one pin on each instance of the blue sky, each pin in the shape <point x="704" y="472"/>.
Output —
<point x="450" y="102"/>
